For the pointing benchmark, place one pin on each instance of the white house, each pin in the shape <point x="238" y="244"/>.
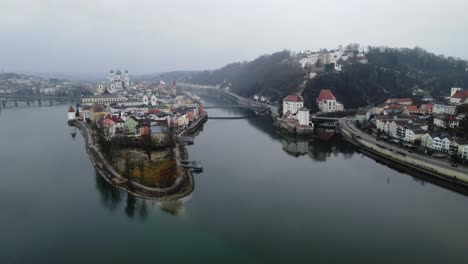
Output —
<point x="292" y="103"/>
<point x="303" y="116"/>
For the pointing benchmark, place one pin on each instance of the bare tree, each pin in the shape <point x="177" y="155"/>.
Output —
<point x="129" y="166"/>
<point x="140" y="163"/>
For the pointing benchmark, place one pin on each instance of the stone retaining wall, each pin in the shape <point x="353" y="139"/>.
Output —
<point x="183" y="185"/>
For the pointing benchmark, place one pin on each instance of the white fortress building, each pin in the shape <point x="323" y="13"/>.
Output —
<point x="292" y="104"/>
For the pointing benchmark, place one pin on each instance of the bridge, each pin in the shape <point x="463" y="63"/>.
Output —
<point x="233" y="106"/>
<point x="319" y="118"/>
<point x="31" y="99"/>
<point x="231" y="117"/>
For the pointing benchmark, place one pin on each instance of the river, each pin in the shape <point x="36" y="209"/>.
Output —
<point x="261" y="199"/>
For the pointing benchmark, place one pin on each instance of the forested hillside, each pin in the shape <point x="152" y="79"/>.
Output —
<point x="388" y="73"/>
<point x="391" y="73"/>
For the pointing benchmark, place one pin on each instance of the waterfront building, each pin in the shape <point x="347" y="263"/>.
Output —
<point x="303" y="116"/>
<point x="106" y="99"/>
<point x="292" y="103"/>
<point x="71" y="113"/>
<point x="327" y="102"/>
<point x="463" y="151"/>
<point x="427" y="141"/>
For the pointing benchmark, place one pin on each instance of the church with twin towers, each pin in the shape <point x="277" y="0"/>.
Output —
<point x="119" y="81"/>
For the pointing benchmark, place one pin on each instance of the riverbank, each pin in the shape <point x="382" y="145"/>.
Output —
<point x="183" y="184"/>
<point x="414" y="161"/>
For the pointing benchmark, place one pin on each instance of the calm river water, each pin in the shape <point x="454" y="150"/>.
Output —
<point x="261" y="199"/>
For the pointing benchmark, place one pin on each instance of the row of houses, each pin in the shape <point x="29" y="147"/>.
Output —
<point x="405" y="128"/>
<point x="443" y="142"/>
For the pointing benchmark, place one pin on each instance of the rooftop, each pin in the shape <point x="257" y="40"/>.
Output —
<point x="293" y="98"/>
<point x="326" y="94"/>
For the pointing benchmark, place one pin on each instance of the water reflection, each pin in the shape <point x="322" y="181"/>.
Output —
<point x="172" y="207"/>
<point x="130" y="208"/>
<point x="111" y="197"/>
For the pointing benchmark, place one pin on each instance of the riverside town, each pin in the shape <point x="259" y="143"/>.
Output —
<point x="220" y="132"/>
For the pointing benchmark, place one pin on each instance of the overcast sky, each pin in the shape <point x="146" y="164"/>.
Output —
<point x="92" y="36"/>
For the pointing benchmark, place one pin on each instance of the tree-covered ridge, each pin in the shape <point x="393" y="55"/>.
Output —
<point x="274" y="75"/>
<point x="391" y="73"/>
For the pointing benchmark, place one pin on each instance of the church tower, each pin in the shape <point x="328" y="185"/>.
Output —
<point x="111" y="76"/>
<point x="126" y="79"/>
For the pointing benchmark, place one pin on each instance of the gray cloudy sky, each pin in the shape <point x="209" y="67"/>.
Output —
<point x="92" y="36"/>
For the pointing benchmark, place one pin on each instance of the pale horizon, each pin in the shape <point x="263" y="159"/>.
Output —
<point x="92" y="37"/>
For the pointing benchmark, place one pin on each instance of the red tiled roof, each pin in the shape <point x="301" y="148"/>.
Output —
<point x="71" y="110"/>
<point x="293" y="98"/>
<point x="461" y="94"/>
<point x="106" y="122"/>
<point x="411" y="108"/>
<point x="116" y="119"/>
<point x="326" y="94"/>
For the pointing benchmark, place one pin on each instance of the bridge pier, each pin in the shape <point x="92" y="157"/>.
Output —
<point x="50" y="102"/>
<point x="39" y="101"/>
<point x="27" y="103"/>
<point x="16" y="103"/>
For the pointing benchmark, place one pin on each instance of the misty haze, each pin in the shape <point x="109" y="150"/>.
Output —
<point x="233" y="131"/>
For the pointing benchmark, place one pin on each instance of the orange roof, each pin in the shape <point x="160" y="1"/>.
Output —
<point x="326" y="94"/>
<point x="293" y="98"/>
<point x="461" y="94"/>
<point x="411" y="108"/>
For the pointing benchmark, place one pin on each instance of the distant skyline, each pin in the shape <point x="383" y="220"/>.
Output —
<point x="92" y="36"/>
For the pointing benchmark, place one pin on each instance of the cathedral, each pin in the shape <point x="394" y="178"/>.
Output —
<point x="118" y="82"/>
